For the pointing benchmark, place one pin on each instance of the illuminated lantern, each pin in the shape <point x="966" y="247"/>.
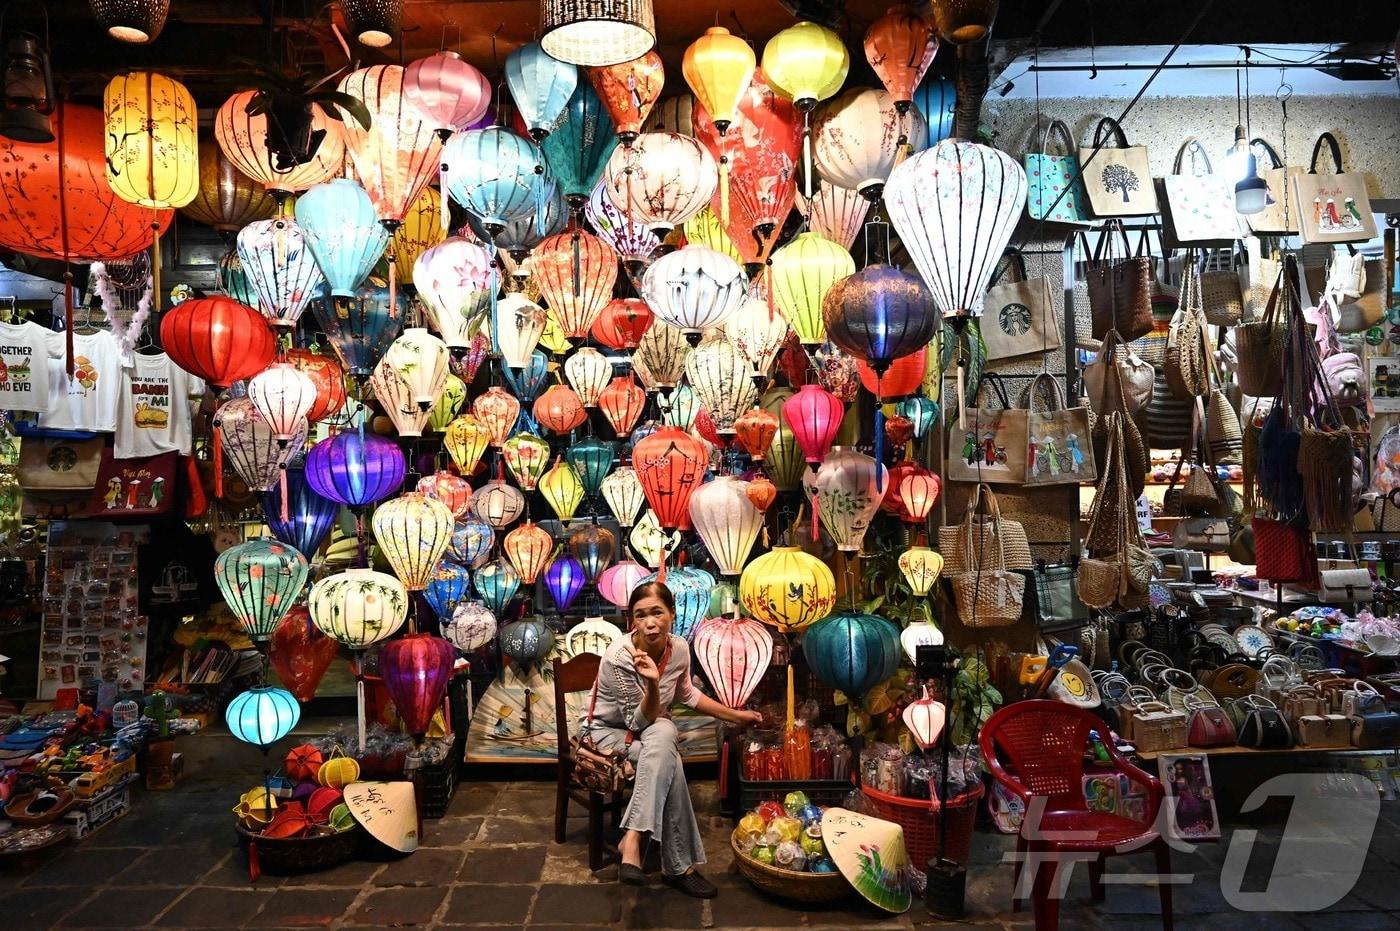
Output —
<point x="562" y="490"/>
<point x="706" y="229"/>
<point x="498" y="503"/>
<point x="629" y="90"/>
<point x="918" y="492"/>
<point x="227" y="199"/>
<point x="300" y="653"/>
<point x="540" y="85"/>
<point x="734" y="652"/>
<point x="726" y="521"/>
<point x="814" y="416"/>
<point x="284" y="396"/>
<point x="591" y="635"/>
<point x="135" y="21"/>
<point x="497" y="411"/>
<point x="622" y="402"/>
<point x="449" y="404"/>
<point x="416" y="670"/>
<point x="650" y="542"/>
<point x="922" y="413"/>
<point x="449" y="488"/>
<point x="630" y="239"/>
<point x="552" y="339"/>
<point x="526" y="456"/>
<point x="925" y="718"/>
<point x="280" y="267"/>
<point x="920" y="567"/>
<point x="358" y="607"/>
<point x="963" y="21"/>
<point x="670" y="464"/>
<point x="835" y="212"/>
<point x="806" y="63"/>
<point x="839" y="372"/>
<point x="217" y="339"/>
<point x="355" y="470"/>
<point x="617" y="581"/>
<point x="419" y="359"/>
<point x="421" y="229"/>
<point x="681" y="408"/>
<point x="660" y="357"/>
<point x="762" y="492"/>
<point x="904" y="376"/>
<point x="860" y="136"/>
<point x="661" y="180"/>
<point x="559" y="410"/>
<point x="672" y="115"/>
<point x="900" y="46"/>
<point x="528" y="547"/>
<point x="413" y="531"/>
<point x="588" y="371"/>
<point x="852" y="652"/>
<point x="705" y="429"/>
<point x="360" y="327"/>
<point x="465" y="439"/>
<point x="756" y="429"/>
<point x="718" y="372"/>
<point x="373" y="23"/>
<point x="579" y="144"/>
<point x="398" y="153"/>
<point x="757" y="331"/>
<point x="152" y="134"/>
<point x="262" y="716"/>
<point x="243" y="137"/>
<point x="955" y="207"/>
<point x="450" y="93"/>
<point x="622" y="323"/>
<point x="593" y="546"/>
<point x="788" y="588"/>
<point x="691" y="588"/>
<point x="496" y="583"/>
<point x="718" y="67"/>
<point x="564" y="580"/>
<point x="472" y="626"/>
<point x="521" y="323"/>
<point x="493" y="173"/>
<point x="880" y="314"/>
<point x="472" y="539"/>
<point x="802" y="273"/>
<point x="250" y="444"/>
<point x="937" y="100"/>
<point x="309" y="516"/>
<point x="622" y="490"/>
<point x="847" y="489"/>
<point x="784" y="459"/>
<point x="592" y="459"/>
<point x="527" y="641"/>
<point x="694" y="288"/>
<point x="260" y="581"/>
<point x="527" y="382"/>
<point x="575" y="272"/>
<point x="394" y="395"/>
<point x="454" y="280"/>
<point x="338" y="220"/>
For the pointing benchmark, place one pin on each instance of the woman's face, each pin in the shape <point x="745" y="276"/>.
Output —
<point x="651" y="620"/>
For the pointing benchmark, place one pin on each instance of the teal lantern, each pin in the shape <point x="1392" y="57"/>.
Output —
<point x="450" y="584"/>
<point x="936" y="99"/>
<point x="852" y="652"/>
<point x="592" y="459"/>
<point x="260" y="581"/>
<point x="262" y="716"/>
<point x="922" y="413"/>
<point x="496" y="583"/>
<point x="578" y="147"/>
<point x="527" y="382"/>
<point x="682" y="407"/>
<point x="341" y="227"/>
<point x="691" y="587"/>
<point x="541" y="86"/>
<point x="495" y="174"/>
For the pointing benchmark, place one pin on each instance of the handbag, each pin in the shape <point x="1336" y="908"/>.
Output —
<point x="1208" y="724"/>
<point x="1057" y="597"/>
<point x="1332" y="206"/>
<point x="1283" y="552"/>
<point x="1224" y="439"/>
<point x="1206" y="534"/>
<point x="1166" y="420"/>
<point x="1231" y="681"/>
<point x="1259" y="344"/>
<point x="1186" y="369"/>
<point x="1198" y="209"/>
<point x="993" y="442"/>
<point x="1278" y="218"/>
<point x="1119" y="285"/>
<point x="1265" y="727"/>
<point x="1054" y="190"/>
<point x="987" y="596"/>
<point x="135" y="489"/>
<point x="1222" y="291"/>
<point x="1059" y="450"/>
<point x="1117" y="380"/>
<point x="598" y="770"/>
<point x="1374" y="725"/>
<point x="59" y="465"/>
<point x="1125" y="574"/>
<point x="1117" y="178"/>
<point x="1345" y="586"/>
<point x="1007" y="534"/>
<point x="1323" y="730"/>
<point x="1018" y="317"/>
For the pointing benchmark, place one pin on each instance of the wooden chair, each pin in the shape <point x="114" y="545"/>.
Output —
<point x="578" y="675"/>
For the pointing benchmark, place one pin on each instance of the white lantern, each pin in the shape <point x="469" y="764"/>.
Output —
<point x="498" y="503"/>
<point x="588" y="372"/>
<point x="719" y="373"/>
<point x="522" y="322"/>
<point x="280" y="266"/>
<point x="661" y="180"/>
<point x="757" y="330"/>
<point x="650" y="541"/>
<point x="394" y="395"/>
<point x="622" y="490"/>
<point x="358" y="607"/>
<point x="420" y="359"/>
<point x="925" y="719"/>
<point x="836" y="212"/>
<point x="659" y="359"/>
<point x="727" y="522"/>
<point x="283" y="395"/>
<point x="454" y="280"/>
<point x="694" y="288"/>
<point x="846" y="488"/>
<point x="859" y="137"/>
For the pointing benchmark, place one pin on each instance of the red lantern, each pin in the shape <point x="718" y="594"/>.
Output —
<point x="218" y="339"/>
<point x="814" y="415"/>
<point x="755" y="430"/>
<point x="761" y="493"/>
<point x="794" y="361"/>
<point x="300" y="653"/>
<point x="328" y="377"/>
<point x="498" y="411"/>
<point x="899" y="430"/>
<point x="622" y="323"/>
<point x="628" y="91"/>
<point x="904" y="377"/>
<point x="622" y="402"/>
<point x="416" y="670"/>
<point x="705" y="426"/>
<point x="924" y="488"/>
<point x="575" y="271"/>
<point x="900" y="46"/>
<point x="559" y="409"/>
<point x="670" y="464"/>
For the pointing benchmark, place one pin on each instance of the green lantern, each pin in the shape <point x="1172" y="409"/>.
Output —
<point x="260" y="581"/>
<point x="592" y="459"/>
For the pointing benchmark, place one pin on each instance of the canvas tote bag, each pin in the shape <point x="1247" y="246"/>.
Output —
<point x="988" y="444"/>
<point x="1051" y="178"/>
<point x="1018" y="317"/>
<point x="1117" y="177"/>
<point x="1198" y="208"/>
<point x="1059" y="445"/>
<point x="1278" y="218"/>
<point x="1332" y="206"/>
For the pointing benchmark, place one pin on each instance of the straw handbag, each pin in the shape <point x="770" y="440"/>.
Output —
<point x="988" y="593"/>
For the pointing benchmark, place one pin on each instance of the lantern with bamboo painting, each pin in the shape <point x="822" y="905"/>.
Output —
<point x="465" y="440"/>
<point x="650" y="542"/>
<point x="661" y="180"/>
<point x="628" y="91"/>
<point x="528" y="548"/>
<point x="681" y="408"/>
<point x="448" y="405"/>
<point x="278" y="263"/>
<point x="670" y="464"/>
<point x="454" y="280"/>
<point x="358" y="607"/>
<point x="575" y="272"/>
<point x="847" y="489"/>
<point x="413" y="531"/>
<point x="802" y="273"/>
<point x="719" y="374"/>
<point x="659" y="360"/>
<point x="262" y="152"/>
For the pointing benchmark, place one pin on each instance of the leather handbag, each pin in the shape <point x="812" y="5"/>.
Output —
<point x="1265" y="727"/>
<point x="1373" y="725"/>
<point x="1117" y="379"/>
<point x="1259" y="344"/>
<point x="59" y="465"/>
<point x="1338" y="586"/>
<point x="1231" y="681"/>
<point x="1208" y="725"/>
<point x="1119" y="285"/>
<point x="1323" y="730"/>
<point x="1303" y="701"/>
<point x="1206" y="534"/>
<point x="604" y="771"/>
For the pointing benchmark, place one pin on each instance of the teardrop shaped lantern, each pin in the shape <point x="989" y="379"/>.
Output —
<point x="802" y="273"/>
<point x="727" y="522"/>
<point x="925" y="718"/>
<point x="847" y="489"/>
<point x="859" y="137"/>
<point x="449" y="488"/>
<point x="787" y="588"/>
<point x="419" y="359"/>
<point x="526" y="383"/>
<point x="251" y="446"/>
<point x="937" y="100"/>
<point x="540" y="85"/>
<point x="526" y="457"/>
<point x="660" y="357"/>
<point x="264" y="153"/>
<point x="629" y="238"/>
<point x="358" y="607"/>
<point x="593" y="546"/>
<point x="496" y="583"/>
<point x="588" y="371"/>
<point x="284" y="396"/>
<point x="493" y="173"/>
<point x="309" y="516"/>
<point x="734" y="652"/>
<point x="579" y="145"/>
<point x="718" y="67"/>
<point x="755" y="430"/>
<point x="465" y="440"/>
<point x="562" y="490"/>
<point x="454" y="281"/>
<point x="497" y="411"/>
<point x="260" y="581"/>
<point x="917" y="634"/>
<point x="622" y="403"/>
<point x="498" y="503"/>
<point x="921" y="568"/>
<point x="279" y="265"/>
<point x="835" y="212"/>
<point x="622" y="323"/>
<point x="806" y="63"/>
<point x="757" y="330"/>
<point x="852" y="652"/>
<point x="399" y="152"/>
<point x="361" y="327"/>
<point x="228" y="200"/>
<point x="814" y="416"/>
<point x="681" y="408"/>
<point x="650" y="542"/>
<point x="922" y="413"/>
<point x="694" y="288"/>
<point x="559" y="409"/>
<point x="528" y="548"/>
<point x="706" y="229"/>
<point x="451" y="94"/>
<point x="617" y="581"/>
<point x="955" y="207"/>
<point x="719" y="373"/>
<point x="564" y="579"/>
<point x="622" y="491"/>
<point x="629" y="90"/>
<point x="450" y="585"/>
<point x="413" y="531"/>
<point x="900" y="46"/>
<point x="472" y="540"/>
<point x="339" y="223"/>
<point x="670" y="464"/>
<point x="449" y="404"/>
<point x="592" y="459"/>
<point x="661" y="180"/>
<point x="416" y="671"/>
<point x="575" y="272"/>
<point x="918" y="492"/>
<point x="217" y="339"/>
<point x="691" y="588"/>
<point x="355" y="470"/>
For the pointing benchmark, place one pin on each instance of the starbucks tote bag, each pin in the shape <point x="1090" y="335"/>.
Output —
<point x="1117" y="177"/>
<point x="1055" y="192"/>
<point x="1198" y="207"/>
<point x="1332" y="206"/>
<point x="1018" y="317"/>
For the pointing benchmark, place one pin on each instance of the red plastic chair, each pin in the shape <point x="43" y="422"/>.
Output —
<point x="1036" y="750"/>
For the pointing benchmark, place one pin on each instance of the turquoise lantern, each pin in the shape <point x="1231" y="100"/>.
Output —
<point x="450" y="584"/>
<point x="495" y="174"/>
<point x="691" y="587"/>
<point x="922" y="413"/>
<point x="682" y="406"/>
<point x="541" y="86"/>
<point x="496" y="583"/>
<point x="531" y="227"/>
<point x="592" y="459"/>
<point x="578" y="147"/>
<point x="472" y="539"/>
<point x="852" y="652"/>
<point x="361" y="327"/>
<point x="526" y="383"/>
<point x="343" y="231"/>
<point x="936" y="99"/>
<point x="262" y="716"/>
<point x="260" y="581"/>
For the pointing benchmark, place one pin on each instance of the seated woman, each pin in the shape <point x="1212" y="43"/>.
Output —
<point x="642" y="674"/>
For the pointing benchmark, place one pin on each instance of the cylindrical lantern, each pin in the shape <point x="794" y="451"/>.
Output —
<point x="152" y="140"/>
<point x="540" y="85"/>
<point x="719" y="373"/>
<point x="416" y="670"/>
<point x="454" y="279"/>
<point x="806" y="63"/>
<point x="670" y="464"/>
<point x="528" y="547"/>
<point x="597" y="32"/>
<point x="726" y="521"/>
<point x="340" y="225"/>
<point x="694" y="288"/>
<point x="260" y="581"/>
<point x="788" y="588"/>
<point x="244" y="139"/>
<point x="814" y="416"/>
<point x="847" y="488"/>
<point x="860" y="136"/>
<point x="575" y="272"/>
<point x="661" y="180"/>
<point x="562" y="490"/>
<point x="466" y="439"/>
<point x="497" y="411"/>
<point x="262" y="716"/>
<point x="622" y="490"/>
<point x="374" y="23"/>
<point x="358" y="607"/>
<point x="280" y="267"/>
<point x="217" y="339"/>
<point x="718" y="67"/>
<point x="629" y="89"/>
<point x="227" y="200"/>
<point x="247" y="440"/>
<point x="900" y="46"/>
<point x="734" y="652"/>
<point x="852" y="652"/>
<point x="413" y="530"/>
<point x="355" y="470"/>
<point x="450" y="93"/>
<point x="526" y="457"/>
<point x="284" y="397"/>
<point x="802" y="273"/>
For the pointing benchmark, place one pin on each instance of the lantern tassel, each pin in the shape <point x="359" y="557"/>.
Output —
<point x="807" y="155"/>
<point x="282" y="483"/>
<point x="962" y="408"/>
<point x="393" y="289"/>
<point x="724" y="190"/>
<point x="360" y="703"/>
<point x="578" y="263"/>
<point x="218" y="461"/>
<point x="791" y="699"/>
<point x="815" y="534"/>
<point x="444" y="210"/>
<point x="879" y="445"/>
<point x="68" y="320"/>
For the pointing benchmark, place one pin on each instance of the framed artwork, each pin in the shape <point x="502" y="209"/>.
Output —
<point x="1384" y="375"/>
<point x="1190" y="796"/>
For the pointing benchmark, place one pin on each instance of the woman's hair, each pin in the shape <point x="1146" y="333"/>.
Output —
<point x="657" y="590"/>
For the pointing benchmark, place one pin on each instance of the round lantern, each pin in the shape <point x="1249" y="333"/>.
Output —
<point x="591" y="635"/>
<point x="900" y="46"/>
<point x="719" y="373"/>
<point x="496" y="583"/>
<point x="413" y="531"/>
<point x="921" y="568"/>
<point x="358" y="607"/>
<point x="449" y="488"/>
<point x="152" y="134"/>
<point x="835" y="212"/>
<point x="397" y="154"/>
<point x="540" y="85"/>
<point x="527" y="382"/>
<point x="528" y="547"/>
<point x="755" y="430"/>
<point x="629" y="90"/>
<point x="814" y="416"/>
<point x="623" y="492"/>
<point x="217" y="339"/>
<point x="309" y="516"/>
<point x="922" y="413"/>
<point x="904" y="376"/>
<point x="493" y="173"/>
<point x="718" y="67"/>
<point x="284" y="396"/>
<point x="472" y="540"/>
<point x="498" y="503"/>
<point x="547" y="215"/>
<point x="449" y="404"/>
<point x="694" y="288"/>
<point x="528" y="641"/>
<point x="526" y="457"/>
<point x="593" y="460"/>
<point x="622" y="323"/>
<point x="918" y="491"/>
<point x="879" y="314"/>
<point x="576" y="272"/>
<point x="135" y="21"/>
<point x="472" y="626"/>
<point x="622" y="402"/>
<point x="416" y="670"/>
<point x="562" y="490"/>
<point x="227" y="199"/>
<point x="355" y="470"/>
<point x="852" y="652"/>
<point x="262" y="716"/>
<point x="497" y="411"/>
<point x="250" y="444"/>
<point x="422" y="228"/>
<point x="734" y="652"/>
<point x="300" y="653"/>
<point x="564" y="579"/>
<point x="758" y="333"/>
<point x="630" y="239"/>
<point x="616" y="582"/>
<point x="588" y="371"/>
<point x="593" y="546"/>
<point x="660" y="357"/>
<point x="806" y="63"/>
<point x="279" y="265"/>
<point x="859" y="137"/>
<point x="579" y="145"/>
<point x="260" y="581"/>
<point x="955" y="207"/>
<point x="559" y="409"/>
<point x="726" y="521"/>
<point x="465" y="439"/>
<point x="802" y="273"/>
<point x="847" y="488"/>
<point x="244" y="139"/>
<point x="450" y="93"/>
<point x="788" y="588"/>
<point x="339" y="222"/>
<point x="454" y="279"/>
<point x="661" y="180"/>
<point x="670" y="464"/>
<point x="937" y="100"/>
<point x="361" y="327"/>
<point x="963" y="21"/>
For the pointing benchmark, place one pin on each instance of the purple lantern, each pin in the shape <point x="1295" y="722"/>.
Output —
<point x="564" y="578"/>
<point x="416" y="670"/>
<point x="307" y="517"/>
<point x="355" y="469"/>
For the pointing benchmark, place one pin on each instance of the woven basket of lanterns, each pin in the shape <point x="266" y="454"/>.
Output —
<point x="812" y="888"/>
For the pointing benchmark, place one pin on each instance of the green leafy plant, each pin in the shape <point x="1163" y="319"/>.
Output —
<point x="278" y="87"/>
<point x="973" y="701"/>
<point x="888" y="594"/>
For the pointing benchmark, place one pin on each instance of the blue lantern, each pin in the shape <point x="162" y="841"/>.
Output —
<point x="578" y="147"/>
<point x="691" y="587"/>
<point x="529" y="229"/>
<point x="541" y="86"/>
<point x="262" y="716"/>
<point x="450" y="584"/>
<point x="309" y="515"/>
<point x="343" y="231"/>
<point x="564" y="578"/>
<point x="592" y="459"/>
<point x="360" y="327"/>
<point x="493" y="173"/>
<point x="922" y="413"/>
<point x="936" y="99"/>
<point x="472" y="540"/>
<point x="527" y="383"/>
<point x="852" y="652"/>
<point x="355" y="470"/>
<point x="496" y="583"/>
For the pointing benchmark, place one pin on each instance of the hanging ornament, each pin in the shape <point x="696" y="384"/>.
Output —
<point x="925" y="718"/>
<point x="260" y="581"/>
<point x="579" y="145"/>
<point x="591" y="635"/>
<point x="412" y="531"/>
<point x="450" y="93"/>
<point x="358" y="607"/>
<point x="497" y="411"/>
<point x="660" y="357"/>
<point x="564" y="579"/>
<point x="621" y="403"/>
<point x="784" y="459"/>
<point x="787" y="588"/>
<point x="498" y="503"/>
<point x="355" y="470"/>
<point x="227" y="200"/>
<point x="630" y="239"/>
<point x="465" y="440"/>
<point x="617" y="581"/>
<point x="562" y="490"/>
<point x="814" y="416"/>
<point x="541" y="87"/>
<point x="547" y="215"/>
<point x="921" y="568"/>
<point x="899" y="47"/>
<point x="860" y="136"/>
<point x="757" y="330"/>
<point x="734" y="653"/>
<point x="694" y="288"/>
<point x="399" y="152"/>
<point x="472" y="626"/>
<point x="755" y="430"/>
<point x="309" y="516"/>
<point x="281" y="164"/>
<point x="835" y="212"/>
<point x="727" y="522"/>
<point x="576" y="272"/>
<point x="449" y="488"/>
<point x="718" y="67"/>
<point x="706" y="229"/>
<point x="559" y="409"/>
<point x="922" y="413"/>
<point x="152" y="146"/>
<point x="937" y="100"/>
<point x="450" y="585"/>
<point x="852" y="652"/>
<point x="670" y="464"/>
<point x="802" y="273"/>
<point x="361" y="327"/>
<point x="847" y="489"/>
<point x="328" y="378"/>
<point x="681" y="408"/>
<point x="262" y="716"/>
<point x="527" y="641"/>
<point x="762" y="493"/>
<point x="526" y="457"/>
<point x="661" y="180"/>
<point x="629" y="90"/>
<point x="592" y="459"/>
<point x="251" y="445"/>
<point x="528" y="547"/>
<point x="416" y="670"/>
<point x="650" y="542"/>
<point x="422" y="228"/>
<point x="691" y="588"/>
<point x="622" y="491"/>
<point x="338" y="221"/>
<point x="493" y="173"/>
<point x="622" y="323"/>
<point x="918" y="492"/>
<point x="496" y="583"/>
<point x="522" y="322"/>
<point x="593" y="546"/>
<point x="472" y="540"/>
<point x="718" y="372"/>
<point x="300" y="653"/>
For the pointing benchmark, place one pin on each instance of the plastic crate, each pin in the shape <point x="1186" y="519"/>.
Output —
<point x="920" y="818"/>
<point x="823" y="792"/>
<point x="435" y="783"/>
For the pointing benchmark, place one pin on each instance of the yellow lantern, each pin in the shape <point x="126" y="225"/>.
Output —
<point x="420" y="231"/>
<point x="152" y="140"/>
<point x="650" y="542"/>
<point x="801" y="274"/>
<point x="806" y="63"/>
<point x="788" y="589"/>
<point x="454" y="395"/>
<point x="358" y="607"/>
<point x="528" y="548"/>
<point x="921" y="567"/>
<point x="552" y="338"/>
<point x="227" y="199"/>
<point x="718" y="67"/>
<point x="706" y="229"/>
<point x="466" y="439"/>
<point x="562" y="489"/>
<point x="413" y="531"/>
<point x="526" y="457"/>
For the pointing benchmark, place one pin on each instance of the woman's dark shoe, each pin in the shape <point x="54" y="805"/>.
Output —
<point x="692" y="884"/>
<point x="630" y="875"/>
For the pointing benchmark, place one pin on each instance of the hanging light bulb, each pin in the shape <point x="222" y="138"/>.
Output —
<point x="727" y="522"/>
<point x="413" y="531"/>
<point x="338" y="221"/>
<point x="622" y="402"/>
<point x="622" y="491"/>
<point x="575" y="272"/>
<point x="588" y="371"/>
<point x="497" y="411"/>
<point x="661" y="180"/>
<point x="562" y="490"/>
<point x="802" y="273"/>
<point x="718" y="372"/>
<point x="528" y="547"/>
<point x="860" y="137"/>
<point x="694" y="288"/>
<point x="465" y="440"/>
<point x="526" y="456"/>
<point x="283" y="396"/>
<point x="540" y="85"/>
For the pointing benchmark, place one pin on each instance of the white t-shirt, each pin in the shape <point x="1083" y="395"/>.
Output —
<point x="89" y="400"/>
<point x="154" y="414"/>
<point x="24" y="371"/>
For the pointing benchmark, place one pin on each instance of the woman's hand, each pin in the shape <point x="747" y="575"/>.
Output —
<point x="646" y="666"/>
<point x="744" y="717"/>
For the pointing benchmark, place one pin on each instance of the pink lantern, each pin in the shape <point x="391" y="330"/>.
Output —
<point x="925" y="719"/>
<point x="814" y="416"/>
<point x="498" y="411"/>
<point x="284" y="396"/>
<point x="416" y="670"/>
<point x="449" y="488"/>
<point x="450" y="93"/>
<point x="735" y="653"/>
<point x="400" y="152"/>
<point x="616" y="582"/>
<point x="918" y="491"/>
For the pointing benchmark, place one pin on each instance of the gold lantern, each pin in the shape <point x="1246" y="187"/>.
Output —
<point x="227" y="199"/>
<point x="413" y="531"/>
<point x="152" y="140"/>
<point x="422" y="228"/>
<point x="466" y="439"/>
<point x="718" y="67"/>
<point x="562" y="489"/>
<point x="528" y="548"/>
<point x="788" y="588"/>
<point x="920" y="567"/>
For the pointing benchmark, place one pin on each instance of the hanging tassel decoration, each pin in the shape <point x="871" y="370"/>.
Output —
<point x="218" y="460"/>
<point x="63" y="235"/>
<point x="807" y="155"/>
<point x="879" y="445"/>
<point x="282" y="487"/>
<point x="444" y="208"/>
<point x="724" y="189"/>
<point x="578" y="264"/>
<point x="393" y="287"/>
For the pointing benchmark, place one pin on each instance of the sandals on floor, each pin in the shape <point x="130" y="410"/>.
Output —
<point x="630" y="875"/>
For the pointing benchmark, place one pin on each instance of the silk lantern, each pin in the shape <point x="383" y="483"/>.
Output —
<point x="528" y="547"/>
<point x="449" y="488"/>
<point x="681" y="408"/>
<point x="497" y="411"/>
<point x="622" y="323"/>
<point x="904" y="376"/>
<point x="152" y="140"/>
<point x="706" y="229"/>
<point x="757" y="331"/>
<point x="526" y="457"/>
<point x="562" y="490"/>
<point x="922" y="413"/>
<point x="564" y="580"/>
<point x="593" y="546"/>
<point x="472" y="540"/>
<point x="925" y="719"/>
<point x="559" y="409"/>
<point x="727" y="522"/>
<point x="284" y="396"/>
<point x="231" y="277"/>
<point x="217" y="339"/>
<point x="787" y="588"/>
<point x="547" y="215"/>
<point x="806" y="63"/>
<point x="670" y="464"/>
<point x="527" y="641"/>
<point x="454" y="281"/>
<point x="361" y="327"/>
<point x="784" y="459"/>
<point x="616" y="582"/>
<point x="416" y="670"/>
<point x="540" y="85"/>
<point x="835" y="212"/>
<point x="496" y="583"/>
<point x="847" y="488"/>
<point x="921" y="568"/>
<point x="622" y="490"/>
<point x="397" y="154"/>
<point x="734" y="652"/>
<point x="672" y="115"/>
<point x="472" y="626"/>
<point x="300" y="653"/>
<point x="591" y="635"/>
<point x="227" y="199"/>
<point x="649" y="541"/>
<point x="955" y="207"/>
<point x="630" y="239"/>
<point x="592" y="459"/>
<point x="899" y="47"/>
<point x="852" y="652"/>
<point x="718" y="372"/>
<point x="918" y="491"/>
<point x="802" y="273"/>
<point x="661" y="180"/>
<point x="718" y="67"/>
<point x="339" y="222"/>
<point x="358" y="607"/>
<point x="963" y="21"/>
<point x="413" y="531"/>
<point x="575" y="272"/>
<point x="262" y="716"/>
<point x="279" y="265"/>
<point x="247" y="440"/>
<point x="493" y="173"/>
<point x="527" y="382"/>
<point x="579" y="145"/>
<point x="465" y="440"/>
<point x="419" y="359"/>
<point x="394" y="395"/>
<point x="814" y="416"/>
<point x="422" y="228"/>
<point x="755" y="430"/>
<point x="694" y="288"/>
<point x="521" y="323"/>
<point x="309" y="516"/>
<point x="860" y="136"/>
<point x="450" y="93"/>
<point x="622" y="402"/>
<point x="498" y="504"/>
<point x="244" y="139"/>
<point x="660" y="357"/>
<point x="691" y="589"/>
<point x="260" y="581"/>
<point x="629" y="90"/>
<point x="588" y="371"/>
<point x="449" y="404"/>
<point x="937" y="100"/>
<point x="355" y="470"/>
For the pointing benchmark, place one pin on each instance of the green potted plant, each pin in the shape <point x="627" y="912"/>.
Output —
<point x="286" y="96"/>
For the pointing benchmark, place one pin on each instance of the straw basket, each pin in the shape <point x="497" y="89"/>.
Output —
<point x="811" y="888"/>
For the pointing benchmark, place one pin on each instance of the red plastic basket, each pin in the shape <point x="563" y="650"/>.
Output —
<point x="919" y="818"/>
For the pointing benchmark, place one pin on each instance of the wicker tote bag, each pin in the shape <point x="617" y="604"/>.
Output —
<point x="1120" y="285"/>
<point x="987" y="593"/>
<point x="1222" y="287"/>
<point x="1185" y="366"/>
<point x="993" y="530"/>
<point x="1259" y="343"/>
<point x="1117" y="379"/>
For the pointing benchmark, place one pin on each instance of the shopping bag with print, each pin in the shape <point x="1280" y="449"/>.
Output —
<point x="1333" y="206"/>
<point x="1059" y="447"/>
<point x="1018" y="316"/>
<point x="1198" y="207"/>
<point x="1054" y="191"/>
<point x="1278" y="218"/>
<point x="988" y="444"/>
<point x="1117" y="177"/>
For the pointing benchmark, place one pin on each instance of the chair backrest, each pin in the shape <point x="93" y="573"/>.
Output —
<point x="577" y="675"/>
<point x="1043" y="741"/>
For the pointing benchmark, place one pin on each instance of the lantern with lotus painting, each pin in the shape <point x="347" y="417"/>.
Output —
<point x="454" y="280"/>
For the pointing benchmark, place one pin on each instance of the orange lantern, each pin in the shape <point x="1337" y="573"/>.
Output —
<point x="528" y="548"/>
<point x="628" y="91"/>
<point x="900" y="46"/>
<point x="559" y="409"/>
<point x="623" y="323"/>
<point x="622" y="402"/>
<point x="918" y="492"/>
<point x="498" y="411"/>
<point x="670" y="464"/>
<point x="400" y="152"/>
<point x="328" y="377"/>
<point x="243" y="137"/>
<point x="575" y="271"/>
<point x="227" y="200"/>
<point x="904" y="377"/>
<point x="755" y="430"/>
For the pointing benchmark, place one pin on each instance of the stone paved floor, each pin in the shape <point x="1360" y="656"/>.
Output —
<point x="172" y="863"/>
